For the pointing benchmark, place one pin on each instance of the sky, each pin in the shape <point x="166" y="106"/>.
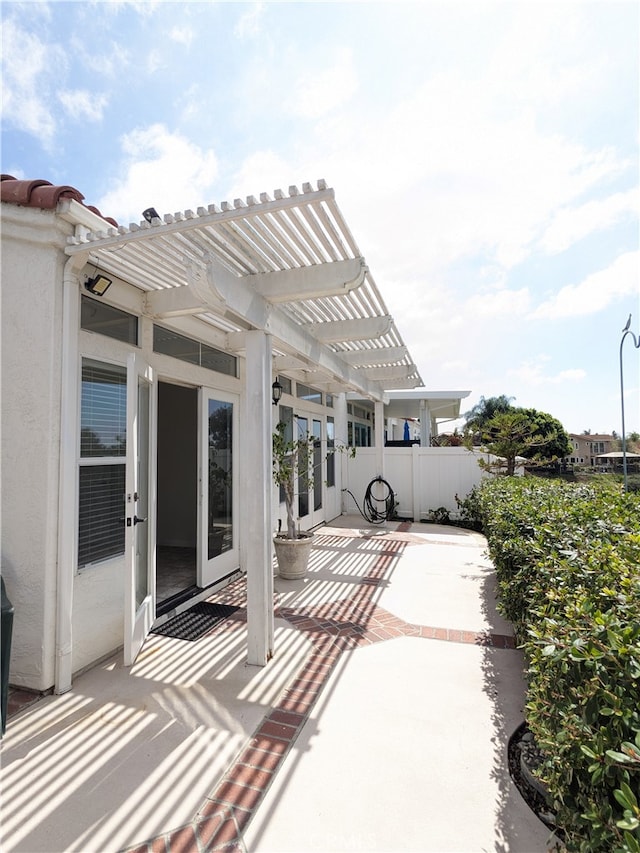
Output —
<point x="484" y="155"/>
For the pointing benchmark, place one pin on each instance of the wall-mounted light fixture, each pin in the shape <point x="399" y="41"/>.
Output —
<point x="150" y="213"/>
<point x="98" y="285"/>
<point x="276" y="392"/>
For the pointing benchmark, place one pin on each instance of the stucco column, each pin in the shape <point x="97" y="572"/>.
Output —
<point x="255" y="498"/>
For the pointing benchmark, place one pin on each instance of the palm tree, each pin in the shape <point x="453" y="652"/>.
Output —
<point x="485" y="410"/>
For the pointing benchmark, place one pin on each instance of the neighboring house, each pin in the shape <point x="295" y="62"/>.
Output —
<point x="587" y="449"/>
<point x="137" y="371"/>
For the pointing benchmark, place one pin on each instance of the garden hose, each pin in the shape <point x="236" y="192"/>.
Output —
<point x="371" y="513"/>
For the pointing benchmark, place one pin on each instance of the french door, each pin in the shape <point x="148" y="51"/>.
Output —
<point x="312" y="472"/>
<point x="139" y="508"/>
<point x="218" y="542"/>
<point x="319" y="473"/>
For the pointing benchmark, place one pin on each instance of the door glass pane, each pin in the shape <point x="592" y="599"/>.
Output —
<point x="318" y="472"/>
<point x="331" y="456"/>
<point x="286" y="417"/>
<point x="220" y="518"/>
<point x="141" y="506"/>
<point x="303" y="470"/>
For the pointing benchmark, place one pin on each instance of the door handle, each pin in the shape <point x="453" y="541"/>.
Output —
<point x="137" y="520"/>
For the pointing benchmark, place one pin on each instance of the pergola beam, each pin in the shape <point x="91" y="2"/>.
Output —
<point x="362" y="329"/>
<point x="374" y="357"/>
<point x="330" y="279"/>
<point x="381" y="374"/>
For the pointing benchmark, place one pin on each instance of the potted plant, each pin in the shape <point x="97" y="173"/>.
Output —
<point x="293" y="547"/>
<point x="290" y="457"/>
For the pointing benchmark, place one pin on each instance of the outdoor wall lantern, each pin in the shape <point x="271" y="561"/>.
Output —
<point x="98" y="285"/>
<point x="150" y="213"/>
<point x="276" y="392"/>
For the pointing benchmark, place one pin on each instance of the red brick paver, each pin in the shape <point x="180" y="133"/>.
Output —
<point x="332" y="628"/>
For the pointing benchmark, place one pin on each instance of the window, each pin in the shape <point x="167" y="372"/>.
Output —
<point x="304" y="392"/>
<point x="286" y="384"/>
<point x="193" y="352"/>
<point x="105" y="320"/>
<point x="358" y="434"/>
<point x="101" y="487"/>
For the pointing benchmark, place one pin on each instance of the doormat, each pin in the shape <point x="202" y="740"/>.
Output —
<point x="195" y="622"/>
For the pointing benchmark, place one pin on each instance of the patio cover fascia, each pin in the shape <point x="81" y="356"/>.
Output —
<point x="287" y="266"/>
<point x="441" y="405"/>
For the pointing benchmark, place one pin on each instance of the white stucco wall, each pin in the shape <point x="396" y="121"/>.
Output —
<point x="32" y="269"/>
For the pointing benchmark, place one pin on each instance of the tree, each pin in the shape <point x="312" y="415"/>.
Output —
<point x="557" y="443"/>
<point x="508" y="435"/>
<point x="536" y="436"/>
<point x="486" y="409"/>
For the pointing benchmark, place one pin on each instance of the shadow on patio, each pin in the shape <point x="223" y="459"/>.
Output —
<point x="359" y="734"/>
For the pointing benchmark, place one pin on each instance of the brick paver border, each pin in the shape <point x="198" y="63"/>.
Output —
<point x="332" y="628"/>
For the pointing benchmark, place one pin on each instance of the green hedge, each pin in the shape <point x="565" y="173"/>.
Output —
<point x="567" y="559"/>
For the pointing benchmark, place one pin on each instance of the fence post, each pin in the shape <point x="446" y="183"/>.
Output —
<point x="415" y="481"/>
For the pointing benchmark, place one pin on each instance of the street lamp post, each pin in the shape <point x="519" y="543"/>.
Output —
<point x="636" y="342"/>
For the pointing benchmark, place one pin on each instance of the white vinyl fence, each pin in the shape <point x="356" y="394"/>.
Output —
<point x="422" y="478"/>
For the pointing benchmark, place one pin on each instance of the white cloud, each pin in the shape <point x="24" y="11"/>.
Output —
<point x="442" y="178"/>
<point x="249" y="23"/>
<point x="596" y="291"/>
<point x="154" y="61"/>
<point x="162" y="170"/>
<point x="181" y="35"/>
<point x="572" y="224"/>
<point x="502" y="303"/>
<point x="532" y="373"/>
<point x="28" y="68"/>
<point x="317" y="93"/>
<point x="144" y="8"/>
<point x="263" y="171"/>
<point x="108" y="59"/>
<point x="83" y="105"/>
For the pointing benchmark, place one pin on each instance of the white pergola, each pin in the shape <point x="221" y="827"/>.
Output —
<point x="287" y="266"/>
<point x="281" y="282"/>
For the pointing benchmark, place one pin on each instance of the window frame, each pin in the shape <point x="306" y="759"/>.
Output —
<point x="84" y="462"/>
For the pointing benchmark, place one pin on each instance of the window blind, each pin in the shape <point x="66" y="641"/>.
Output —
<point x="101" y="480"/>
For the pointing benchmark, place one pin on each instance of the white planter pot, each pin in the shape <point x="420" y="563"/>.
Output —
<point x="293" y="555"/>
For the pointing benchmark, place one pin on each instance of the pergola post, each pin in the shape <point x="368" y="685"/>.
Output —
<point x="425" y="424"/>
<point x="378" y="432"/>
<point x="255" y="498"/>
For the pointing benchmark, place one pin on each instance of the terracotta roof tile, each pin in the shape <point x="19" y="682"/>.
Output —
<point x="42" y="194"/>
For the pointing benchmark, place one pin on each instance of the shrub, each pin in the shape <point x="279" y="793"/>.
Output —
<point x="567" y="560"/>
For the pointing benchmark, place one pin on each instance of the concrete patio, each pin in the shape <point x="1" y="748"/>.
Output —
<point x="381" y="723"/>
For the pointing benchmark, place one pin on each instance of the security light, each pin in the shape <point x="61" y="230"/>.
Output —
<point x="98" y="285"/>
